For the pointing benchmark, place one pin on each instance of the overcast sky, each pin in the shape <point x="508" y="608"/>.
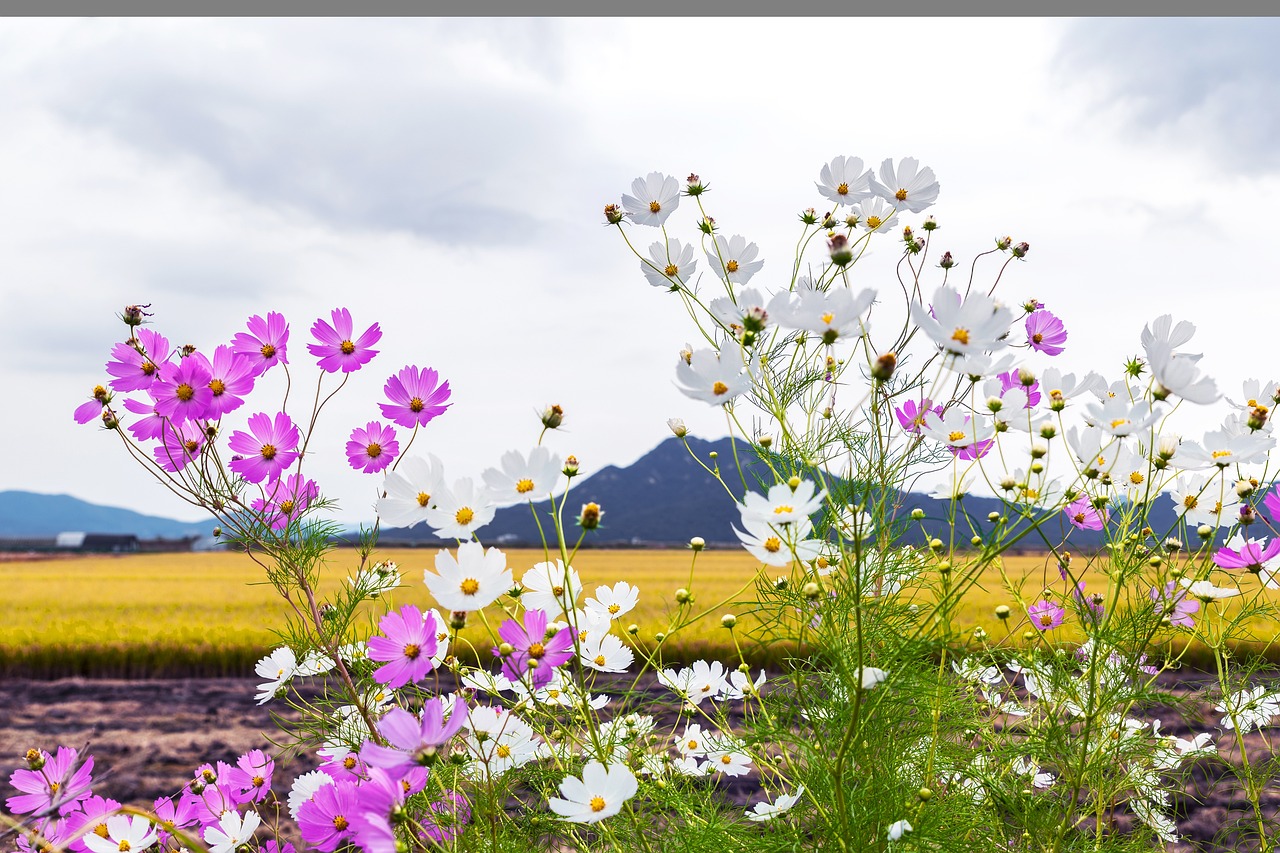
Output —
<point x="445" y="179"/>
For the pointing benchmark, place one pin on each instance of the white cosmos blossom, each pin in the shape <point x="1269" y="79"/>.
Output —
<point x="1249" y="709"/>
<point x="844" y="180"/>
<point x="694" y="683"/>
<point x="612" y="602"/>
<point x="1065" y="387"/>
<point x="1206" y="591"/>
<point x="605" y="653"/>
<point x="1225" y="447"/>
<point x="656" y="196"/>
<point x="471" y="581"/>
<point x="977" y="365"/>
<point x="956" y="429"/>
<point x="231" y="833"/>
<point x="1204" y="499"/>
<point x="783" y="504"/>
<point x="521" y="481"/>
<point x="832" y="315"/>
<point x="870" y="677"/>
<point x="1028" y="767"/>
<point x="553" y="587"/>
<point x="1117" y="416"/>
<point x="768" y="811"/>
<point x="598" y="794"/>
<point x="899" y="828"/>
<point x="736" y="259"/>
<point x="1162" y="332"/>
<point x="738" y="685"/>
<point x="126" y="832"/>
<point x="875" y="215"/>
<point x="278" y="668"/>
<point x="304" y="786"/>
<point x="1180" y="375"/>
<point x="954" y="488"/>
<point x="779" y="544"/>
<point x="669" y="263"/>
<point x="714" y="377"/>
<point x="908" y="187"/>
<point x="410" y="491"/>
<point x="962" y="325"/>
<point x="458" y="512"/>
<point x="746" y="311"/>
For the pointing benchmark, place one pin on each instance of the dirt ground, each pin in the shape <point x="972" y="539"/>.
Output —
<point x="148" y="736"/>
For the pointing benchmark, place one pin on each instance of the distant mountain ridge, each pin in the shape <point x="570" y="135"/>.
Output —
<point x="34" y="514"/>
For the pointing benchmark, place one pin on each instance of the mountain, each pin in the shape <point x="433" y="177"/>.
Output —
<point x="32" y="514"/>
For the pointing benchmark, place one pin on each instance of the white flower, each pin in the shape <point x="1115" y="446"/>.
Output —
<point x="832" y="315"/>
<point x="1224" y="447"/>
<point x="876" y="215"/>
<point x="677" y="427"/>
<point x="768" y="811"/>
<point x="899" y="828"/>
<point x="783" y="504"/>
<point x="956" y="429"/>
<point x="231" y="832"/>
<point x="778" y="545"/>
<point x="907" y="188"/>
<point x="599" y="794"/>
<point x="736" y="259"/>
<point x="747" y="311"/>
<point x="739" y="684"/>
<point x="1160" y="823"/>
<point x="656" y="197"/>
<point x="701" y="681"/>
<point x="953" y="488"/>
<point x="1206" y="591"/>
<point x="688" y="765"/>
<point x="1179" y="374"/>
<point x="314" y="662"/>
<point x="694" y="742"/>
<point x="975" y="324"/>
<point x="1251" y="708"/>
<point x="713" y="377"/>
<point x="304" y="787"/>
<point x="844" y="180"/>
<point x="612" y="602"/>
<point x="499" y="740"/>
<point x="471" y="581"/>
<point x="870" y="677"/>
<point x="1062" y="388"/>
<point x="604" y="652"/>
<point x="278" y="667"/>
<point x="379" y="578"/>
<point x="725" y="756"/>
<point x="127" y="832"/>
<point x="1162" y="332"/>
<point x="1117" y="416"/>
<point x="553" y="587"/>
<point x="669" y="264"/>
<point x="458" y="512"/>
<point x="977" y="365"/>
<point x="520" y="481"/>
<point x="410" y="491"/>
<point x="1027" y="767"/>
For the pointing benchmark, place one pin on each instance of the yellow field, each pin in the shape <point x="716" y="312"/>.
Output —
<point x="213" y="614"/>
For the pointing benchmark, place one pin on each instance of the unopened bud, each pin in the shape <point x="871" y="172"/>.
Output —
<point x="930" y="224"/>
<point x="781" y="583"/>
<point x="570" y="466"/>
<point x="764" y="441"/>
<point x="133" y="314"/>
<point x="993" y="517"/>
<point x="697" y="543"/>
<point x="683" y="596"/>
<point x="660" y="636"/>
<point x="1247" y="515"/>
<point x="612" y="214"/>
<point x="1003" y="243"/>
<point x="506" y="650"/>
<point x="552" y="417"/>
<point x="936" y="544"/>
<point x="1002" y="611"/>
<point x="947" y="261"/>
<point x="633" y="629"/>
<point x="1244" y="488"/>
<point x="694" y="186"/>
<point x="809" y="216"/>
<point x="458" y="620"/>
<point x="589" y="518"/>
<point x="677" y="427"/>
<point x="917" y="514"/>
<point x="35" y="759"/>
<point x="841" y="253"/>
<point x="811" y="590"/>
<point x="793" y="482"/>
<point x="728" y="620"/>
<point x="884" y="366"/>
<point x="1048" y="431"/>
<point x="1258" y="417"/>
<point x="1204" y="531"/>
<point x="1020" y="250"/>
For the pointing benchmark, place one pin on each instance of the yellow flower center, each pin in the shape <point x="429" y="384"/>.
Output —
<point x="524" y="486"/>
<point x="217" y="386"/>
<point x="347" y="348"/>
<point x="268" y="351"/>
<point x="537" y="650"/>
<point x="503" y="751"/>
<point x="599" y="661"/>
<point x="828" y="317"/>
<point x="349" y="762"/>
<point x="613" y="608"/>
<point x="287" y="507"/>
<point x="257" y="781"/>
<point x="692" y="745"/>
<point x="469" y="586"/>
<point x="423" y="498"/>
<point x="957" y="435"/>
<point x="900" y="195"/>
<point x="654" y="207"/>
<point x="464" y="515"/>
<point x="125" y="846"/>
<point x="1136" y="477"/>
<point x="719" y="388"/>
<point x="268" y="451"/>
<point x="1119" y="422"/>
<point x="726" y="759"/>
<point x="185" y="392"/>
<point x="1218" y="454"/>
<point x="874" y="222"/>
<point x="148" y="368"/>
<point x="1046" y="619"/>
<point x="597" y="804"/>
<point x="100" y="830"/>
<point x="843" y="189"/>
<point x="1037" y="338"/>
<point x="411" y="651"/>
<point x="1080" y="517"/>
<point x="671" y="270"/>
<point x="772" y="545"/>
<point x="961" y="336"/>
<point x="1190" y="502"/>
<point x="339" y="822"/>
<point x="374" y="450"/>
<point x="732" y="266"/>
<point x="416" y="405"/>
<point x="191" y="445"/>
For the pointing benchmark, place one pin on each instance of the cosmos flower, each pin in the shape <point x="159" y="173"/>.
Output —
<point x="908" y="187"/>
<point x="472" y="580"/>
<point x="59" y="782"/>
<point x="844" y="180"/>
<point x="231" y="378"/>
<point x="410" y="491"/>
<point x="413" y="743"/>
<point x="521" y="481"/>
<point x="734" y="259"/>
<point x="599" y="794"/>
<point x="286" y="500"/>
<point x="976" y="323"/>
<point x="1250" y="554"/>
<point x="407" y="647"/>
<point x="911" y="414"/>
<point x="265" y="344"/>
<point x="372" y="448"/>
<point x="1046" y="615"/>
<point x="269" y="447"/>
<point x="335" y="347"/>
<point x="656" y="196"/>
<point x="1083" y="515"/>
<point x="1045" y="333"/>
<point x="417" y="397"/>
<point x="669" y="263"/>
<point x="136" y="363"/>
<point x="182" y="391"/>
<point x="1175" y="604"/>
<point x="715" y="378"/>
<point x="536" y="654"/>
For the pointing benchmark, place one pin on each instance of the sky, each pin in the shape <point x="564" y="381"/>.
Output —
<point x="445" y="179"/>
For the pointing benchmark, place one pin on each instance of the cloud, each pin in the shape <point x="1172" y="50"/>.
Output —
<point x="1205" y="84"/>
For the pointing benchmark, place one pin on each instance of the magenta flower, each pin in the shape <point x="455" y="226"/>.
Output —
<point x="1174" y="603"/>
<point x="448" y="816"/>
<point x="269" y="447"/>
<point x="181" y="445"/>
<point x="407" y="649"/>
<point x="250" y="779"/>
<point x="372" y="448"/>
<point x="57" y="783"/>
<point x="1045" y="333"/>
<point x="325" y="819"/>
<point x="1271" y="503"/>
<point x="1091" y="604"/>
<point x="1013" y="380"/>
<point x="1081" y="513"/>
<point x="265" y="343"/>
<point x="348" y="766"/>
<point x="911" y="414"/>
<point x="286" y="501"/>
<point x="969" y="452"/>
<point x="416" y="397"/>
<point x="1251" y="555"/>
<point x="536" y="655"/>
<point x="336" y="349"/>
<point x="231" y="377"/>
<point x="414" y="744"/>
<point x="90" y="814"/>
<point x="150" y="426"/>
<point x="214" y="796"/>
<point x="134" y="370"/>
<point x="92" y="410"/>
<point x="182" y="392"/>
<point x="1046" y="615"/>
<point x="178" y="815"/>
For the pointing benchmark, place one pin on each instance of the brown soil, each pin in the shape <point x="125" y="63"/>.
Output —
<point x="148" y="736"/>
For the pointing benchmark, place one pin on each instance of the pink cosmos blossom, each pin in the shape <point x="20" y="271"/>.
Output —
<point x="349" y="766"/>
<point x="372" y="448"/>
<point x="413" y="744"/>
<point x="911" y="414"/>
<point x="536" y="655"/>
<point x="452" y="813"/>
<point x="977" y="450"/>
<point x="1251" y="555"/>
<point x="231" y="378"/>
<point x="150" y="426"/>
<point x="325" y="819"/>
<point x="181" y="445"/>
<point x="1081" y="513"/>
<point x="134" y="370"/>
<point x="406" y="649"/>
<point x="416" y="397"/>
<point x="265" y="344"/>
<point x="1174" y="603"/>
<point x="57" y="783"/>
<point x="269" y="447"/>
<point x="182" y="392"/>
<point x="1271" y="503"/>
<point x="1092" y="604"/>
<point x="209" y="794"/>
<point x="98" y="400"/>
<point x="336" y="349"/>
<point x="286" y="501"/>
<point x="1013" y="380"/>
<point x="173" y="816"/>
<point x="1046" y="615"/>
<point x="1045" y="333"/>
<point x="250" y="779"/>
<point x="91" y="812"/>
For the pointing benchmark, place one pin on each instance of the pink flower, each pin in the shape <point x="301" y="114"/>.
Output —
<point x="181" y="445"/>
<point x="1046" y="615"/>
<point x="230" y="379"/>
<point x="269" y="447"/>
<point x="58" y="782"/>
<point x="325" y="819"/>
<point x="92" y="410"/>
<point x="265" y="343"/>
<point x="336" y="349"/>
<point x="452" y="813"/>
<point x="134" y="370"/>
<point x="416" y="397"/>
<point x="90" y="814"/>
<point x="1251" y="555"/>
<point x="536" y="655"/>
<point x="1271" y="503"/>
<point x="977" y="450"/>
<point x="372" y="448"/>
<point x="286" y="501"/>
<point x="182" y="392"/>
<point x="250" y="779"/>
<point x="911" y="414"/>
<point x="407" y="647"/>
<point x="1174" y="603"/>
<point x="1081" y="513"/>
<point x="1045" y="333"/>
<point x="413" y="744"/>
<point x="150" y="426"/>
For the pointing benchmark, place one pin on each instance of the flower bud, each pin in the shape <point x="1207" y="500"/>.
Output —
<point x="1003" y="243"/>
<point x="1247" y="515"/>
<point x="975" y="541"/>
<point x="694" y="186"/>
<point x="1037" y="468"/>
<point x="1204" y="531"/>
<point x="925" y="795"/>
<point x="633" y="629"/>
<point x="659" y="637"/>
<point x="35" y="759"/>
<point x="1020" y="250"/>
<point x="1008" y="483"/>
<point x="947" y="261"/>
<point x="793" y="482"/>
<point x="936" y="544"/>
<point x="979" y="633"/>
<point x="458" y="620"/>
<point x="811" y="590"/>
<point x="1002" y="611"/>
<point x="841" y="252"/>
<point x="781" y="583"/>
<point x="570" y="468"/>
<point x="809" y="216"/>
<point x="612" y="214"/>
<point x="134" y="315"/>
<point x="552" y="416"/>
<point x="917" y="514"/>
<point x="697" y="543"/>
<point x="589" y="518"/>
<point x="1258" y="417"/>
<point x="683" y="596"/>
<point x="677" y="427"/>
<point x="1244" y="488"/>
<point x="707" y="225"/>
<point x="993" y="517"/>
<point x="883" y="369"/>
<point x="506" y="650"/>
<point x="930" y="224"/>
<point x="728" y="620"/>
<point x="994" y="404"/>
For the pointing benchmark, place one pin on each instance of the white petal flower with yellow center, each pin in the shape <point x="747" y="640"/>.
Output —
<point x="612" y="602"/>
<point x="656" y="196"/>
<point x="845" y="180"/>
<point x="779" y="544"/>
<point x="278" y="668"/>
<point x="410" y="490"/>
<point x="768" y="811"/>
<point x="599" y="794"/>
<point x="833" y="315"/>
<point x="785" y="503"/>
<point x="908" y="187"/>
<point x="745" y="312"/>
<point x="125" y="833"/>
<point x="976" y="323"/>
<point x="694" y="683"/>
<point x="460" y="511"/>
<point x="669" y="264"/>
<point x="875" y="215"/>
<point x="605" y="653"/>
<point x="472" y="580"/>
<point x="1180" y="375"/>
<point x="1117" y="416"/>
<point x="715" y="378"/>
<point x="956" y="429"/>
<point x="553" y="587"/>
<point x="521" y="481"/>
<point x="734" y="259"/>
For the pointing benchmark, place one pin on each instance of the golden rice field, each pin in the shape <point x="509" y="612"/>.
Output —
<point x="213" y="614"/>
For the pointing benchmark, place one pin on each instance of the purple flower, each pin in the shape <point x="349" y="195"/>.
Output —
<point x="381" y="797"/>
<point x="416" y="397"/>
<point x="54" y="832"/>
<point x="336" y="349"/>
<point x="182" y="392"/>
<point x="407" y="649"/>
<point x="1045" y="333"/>
<point x="269" y="447"/>
<point x="969" y="452"/>
<point x="1081" y="513"/>
<point x="182" y="443"/>
<point x="536" y="655"/>
<point x="136" y="364"/>
<point x="1174" y="603"/>
<point x="231" y="377"/>
<point x="1089" y="603"/>
<point x="911" y="414"/>
<point x="209" y="794"/>
<point x="181" y="815"/>
<point x="1013" y="380"/>
<point x="1046" y="615"/>
<point x="372" y="448"/>
<point x="1252" y="555"/>
<point x="349" y="767"/>
<point x="58" y="782"/>
<point x="250" y="779"/>
<point x="265" y="343"/>
<point x="152" y="424"/>
<point x="414" y="744"/>
<point x="91" y="815"/>
<point x="98" y="400"/>
<point x="449" y="815"/>
<point x="1271" y="503"/>
<point x="286" y="501"/>
<point x="325" y="819"/>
